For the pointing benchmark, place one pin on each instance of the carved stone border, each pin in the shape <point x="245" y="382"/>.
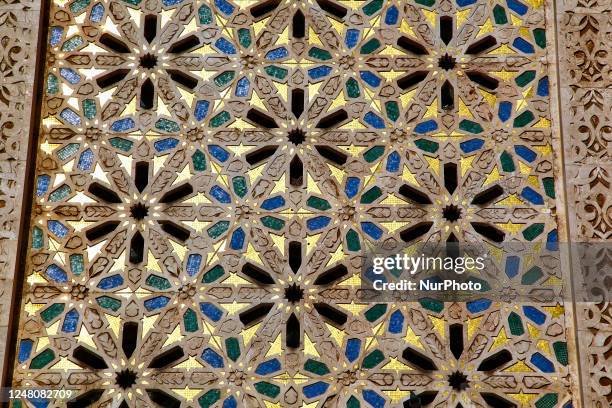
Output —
<point x="584" y="29"/>
<point x="19" y="42"/>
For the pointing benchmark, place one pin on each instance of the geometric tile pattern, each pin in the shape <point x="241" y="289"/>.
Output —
<point x="212" y="173"/>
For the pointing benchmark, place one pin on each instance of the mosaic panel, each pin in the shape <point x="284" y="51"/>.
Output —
<point x="212" y="173"/>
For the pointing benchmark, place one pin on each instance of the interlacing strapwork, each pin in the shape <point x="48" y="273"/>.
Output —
<point x="211" y="174"/>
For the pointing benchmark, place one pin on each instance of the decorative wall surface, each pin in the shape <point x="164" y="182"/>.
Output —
<point x="18" y="45"/>
<point x="211" y="174"/>
<point x="586" y="30"/>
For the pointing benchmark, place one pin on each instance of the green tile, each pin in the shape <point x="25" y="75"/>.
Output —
<point x="515" y="324"/>
<point x="316" y="367"/>
<point x="373" y="359"/>
<point x="190" y="319"/>
<point x="375" y="312"/>
<point x="208" y="399"/>
<point x="42" y="359"/>
<point x="232" y="345"/>
<point x="213" y="274"/>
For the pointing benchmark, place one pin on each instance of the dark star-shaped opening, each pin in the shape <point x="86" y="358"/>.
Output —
<point x="294" y="293"/>
<point x="126" y="378"/>
<point x="148" y="61"/>
<point x="139" y="211"/>
<point x="447" y="62"/>
<point x="458" y="381"/>
<point x="451" y="213"/>
<point x="296" y="136"/>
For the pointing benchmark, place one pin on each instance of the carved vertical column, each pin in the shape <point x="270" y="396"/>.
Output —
<point x="19" y="29"/>
<point x="585" y="33"/>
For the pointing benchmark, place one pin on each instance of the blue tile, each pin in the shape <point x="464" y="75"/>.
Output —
<point x="370" y="78"/>
<point x="373" y="398"/>
<point x="479" y="305"/>
<point x="165" y="144"/>
<point x="471" y="145"/>
<point x="86" y="160"/>
<point x="70" y="75"/>
<point x="374" y="120"/>
<point x="552" y="241"/>
<point x="25" y="350"/>
<point x="352" y="187"/>
<point x="42" y="184"/>
<point x="532" y="196"/>
<point x="396" y="322"/>
<point x="242" y="87"/>
<point x="372" y="230"/>
<point x="211" y="311"/>
<point x="277" y="54"/>
<point x="225" y="46"/>
<point x="212" y="358"/>
<point x="237" y="241"/>
<point x="523" y="45"/>
<point x="544" y="364"/>
<point x="393" y="162"/>
<point x="110" y="282"/>
<point x="57" y="228"/>
<point x="525" y="153"/>
<point x="273" y="203"/>
<point x="39" y="402"/>
<point x="352" y="37"/>
<point x="425" y="127"/>
<point x="268" y="367"/>
<point x="317" y="223"/>
<point x="391" y="16"/>
<point x="517" y="6"/>
<point x="230" y="403"/>
<point x="512" y="266"/>
<point x="220" y="194"/>
<point x="123" y="125"/>
<point x="353" y="347"/>
<point x="201" y="110"/>
<point x="316" y="389"/>
<point x="505" y="110"/>
<point x="543" y="86"/>
<point x="56" y="274"/>
<point x="224" y="6"/>
<point x="156" y="303"/>
<point x="319" y="72"/>
<point x="372" y="277"/>
<point x="534" y="315"/>
<point x="55" y="36"/>
<point x="97" y="12"/>
<point x="218" y="153"/>
<point x="71" y="117"/>
<point x="193" y="264"/>
<point x="70" y="321"/>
